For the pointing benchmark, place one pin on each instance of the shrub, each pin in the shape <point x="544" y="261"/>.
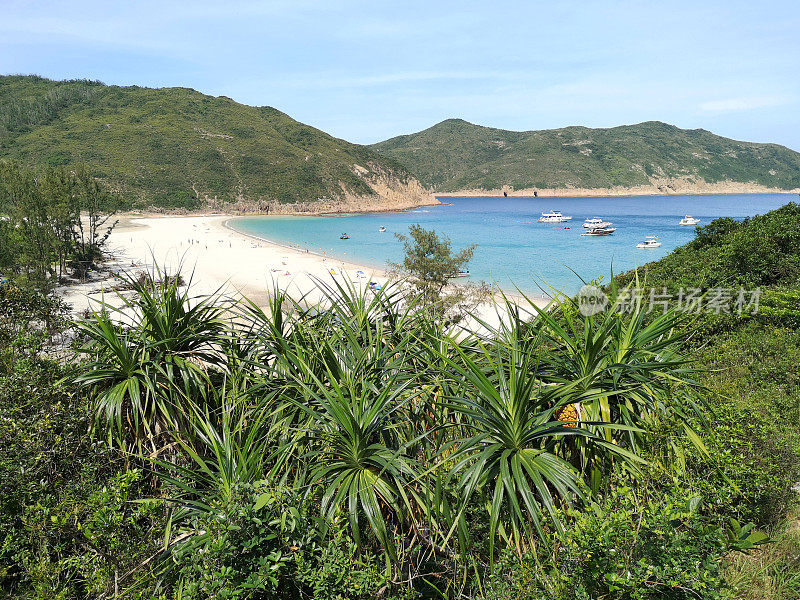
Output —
<point x="625" y="546"/>
<point x="67" y="526"/>
<point x="263" y="543"/>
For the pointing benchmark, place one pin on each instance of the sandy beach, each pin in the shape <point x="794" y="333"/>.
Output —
<point x="665" y="186"/>
<point x="217" y="258"/>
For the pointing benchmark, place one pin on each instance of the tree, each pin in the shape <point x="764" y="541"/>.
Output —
<point x="32" y="233"/>
<point x="95" y="207"/>
<point x="431" y="263"/>
<point x="50" y="220"/>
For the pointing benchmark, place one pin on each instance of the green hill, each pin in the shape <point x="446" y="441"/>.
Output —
<point x="456" y="155"/>
<point x="176" y="147"/>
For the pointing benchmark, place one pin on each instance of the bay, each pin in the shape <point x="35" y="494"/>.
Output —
<point x="513" y="249"/>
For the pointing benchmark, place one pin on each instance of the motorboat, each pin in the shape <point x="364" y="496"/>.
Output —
<point x="344" y="236"/>
<point x="382" y="229"/>
<point x="462" y="273"/>
<point x="600" y="231"/>
<point x="688" y="220"/>
<point x="553" y="216"/>
<point x="650" y="241"/>
<point x="596" y="222"/>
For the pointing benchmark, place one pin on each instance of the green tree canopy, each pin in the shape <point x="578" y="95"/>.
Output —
<point x="431" y="263"/>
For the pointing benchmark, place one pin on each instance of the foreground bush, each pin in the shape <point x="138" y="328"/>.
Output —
<point x="264" y="543"/>
<point x="68" y="528"/>
<point x="363" y="449"/>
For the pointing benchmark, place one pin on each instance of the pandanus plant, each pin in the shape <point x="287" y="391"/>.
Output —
<point x="508" y="455"/>
<point x="162" y="341"/>
<point x="358" y="459"/>
<point x="623" y="371"/>
<point x="225" y="453"/>
<point x="381" y="414"/>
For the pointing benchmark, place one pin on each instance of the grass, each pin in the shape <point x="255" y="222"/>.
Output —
<point x="770" y="572"/>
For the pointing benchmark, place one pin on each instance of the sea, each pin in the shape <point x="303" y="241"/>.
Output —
<point x="513" y="251"/>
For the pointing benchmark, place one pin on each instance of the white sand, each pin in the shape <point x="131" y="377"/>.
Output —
<point x="217" y="258"/>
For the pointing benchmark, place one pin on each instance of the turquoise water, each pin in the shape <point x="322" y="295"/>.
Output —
<point x="513" y="249"/>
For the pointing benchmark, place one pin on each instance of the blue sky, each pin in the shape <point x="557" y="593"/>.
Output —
<point x="366" y="71"/>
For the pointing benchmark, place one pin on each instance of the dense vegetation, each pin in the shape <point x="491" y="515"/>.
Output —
<point x="201" y="448"/>
<point x="174" y="147"/>
<point x="456" y="155"/>
<point x="54" y="223"/>
<point x="752" y="377"/>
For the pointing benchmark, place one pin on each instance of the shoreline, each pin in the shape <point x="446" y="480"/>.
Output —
<point x="615" y="192"/>
<point x="215" y="258"/>
<point x="377" y="271"/>
<point x="308" y="251"/>
<point x="723" y="189"/>
<point x="223" y="257"/>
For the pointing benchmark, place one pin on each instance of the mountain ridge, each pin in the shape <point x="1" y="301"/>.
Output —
<point x="652" y="157"/>
<point x="178" y="148"/>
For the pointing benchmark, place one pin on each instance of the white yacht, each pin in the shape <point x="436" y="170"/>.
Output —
<point x="382" y="229"/>
<point x="600" y="231"/>
<point x="462" y="273"/>
<point x="650" y="241"/>
<point x="688" y="220"/>
<point x="596" y="222"/>
<point x="553" y="216"/>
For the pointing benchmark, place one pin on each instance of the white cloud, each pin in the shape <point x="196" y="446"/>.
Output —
<point x="743" y="103"/>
